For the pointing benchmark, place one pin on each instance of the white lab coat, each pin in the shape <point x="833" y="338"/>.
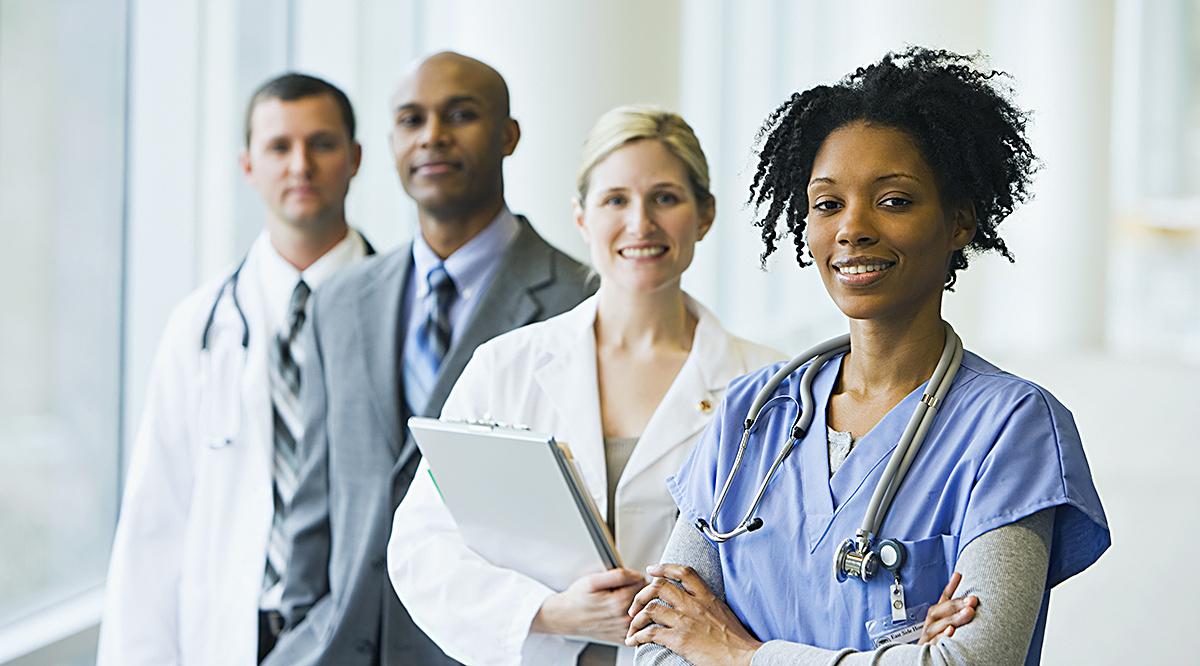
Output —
<point x="188" y="557"/>
<point x="544" y="376"/>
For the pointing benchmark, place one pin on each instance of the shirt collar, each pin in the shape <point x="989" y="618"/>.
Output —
<point x="470" y="265"/>
<point x="279" y="277"/>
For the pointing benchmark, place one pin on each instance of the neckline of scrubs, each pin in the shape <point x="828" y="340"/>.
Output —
<point x="825" y="495"/>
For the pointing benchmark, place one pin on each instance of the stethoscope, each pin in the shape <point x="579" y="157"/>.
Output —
<point x="855" y="557"/>
<point x="222" y="423"/>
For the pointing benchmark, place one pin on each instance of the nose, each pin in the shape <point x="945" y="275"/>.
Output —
<point x="857" y="227"/>
<point x="300" y="161"/>
<point x="640" y="220"/>
<point x="434" y="132"/>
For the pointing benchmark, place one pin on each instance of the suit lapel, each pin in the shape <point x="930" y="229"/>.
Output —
<point x="507" y="302"/>
<point x="382" y="344"/>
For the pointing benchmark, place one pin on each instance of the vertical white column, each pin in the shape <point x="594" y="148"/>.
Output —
<point x="1052" y="299"/>
<point x="164" y="149"/>
<point x="219" y="129"/>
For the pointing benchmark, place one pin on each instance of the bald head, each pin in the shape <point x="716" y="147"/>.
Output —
<point x="451" y="132"/>
<point x="471" y="74"/>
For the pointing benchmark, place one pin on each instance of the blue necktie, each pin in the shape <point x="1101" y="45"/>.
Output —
<point x="425" y="353"/>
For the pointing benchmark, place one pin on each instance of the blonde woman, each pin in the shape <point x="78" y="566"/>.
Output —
<point x="630" y="378"/>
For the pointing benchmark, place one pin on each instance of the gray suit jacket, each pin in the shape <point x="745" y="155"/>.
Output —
<point x="359" y="456"/>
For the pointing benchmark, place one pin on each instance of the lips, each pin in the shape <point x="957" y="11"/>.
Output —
<point x="861" y="270"/>
<point x="301" y="191"/>
<point x="642" y="252"/>
<point x="436" y="167"/>
<point x="858" y="270"/>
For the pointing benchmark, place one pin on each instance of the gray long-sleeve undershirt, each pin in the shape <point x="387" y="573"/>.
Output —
<point x="1005" y="568"/>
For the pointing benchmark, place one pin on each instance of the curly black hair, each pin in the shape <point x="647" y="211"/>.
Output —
<point x="967" y="130"/>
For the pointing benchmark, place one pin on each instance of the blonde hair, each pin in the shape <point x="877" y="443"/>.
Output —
<point x="626" y="124"/>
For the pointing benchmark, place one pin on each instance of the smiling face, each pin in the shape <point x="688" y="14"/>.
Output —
<point x="877" y="228"/>
<point x="301" y="159"/>
<point x="641" y="217"/>
<point x="450" y="134"/>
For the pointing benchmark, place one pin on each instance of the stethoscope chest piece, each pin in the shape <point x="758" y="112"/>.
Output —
<point x="849" y="560"/>
<point x="853" y="560"/>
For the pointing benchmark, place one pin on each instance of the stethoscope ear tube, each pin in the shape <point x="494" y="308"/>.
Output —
<point x="926" y="423"/>
<point x="230" y="283"/>
<point x="914" y="435"/>
<point x="768" y="389"/>
<point x="822" y="353"/>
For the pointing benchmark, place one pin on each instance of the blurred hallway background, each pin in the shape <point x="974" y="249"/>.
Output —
<point x="121" y="120"/>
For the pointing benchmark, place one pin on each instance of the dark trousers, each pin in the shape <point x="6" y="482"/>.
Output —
<point x="270" y="625"/>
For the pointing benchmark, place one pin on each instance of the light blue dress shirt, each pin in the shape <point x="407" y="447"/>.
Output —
<point x="471" y="267"/>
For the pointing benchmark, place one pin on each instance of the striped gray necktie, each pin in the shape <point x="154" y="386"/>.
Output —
<point x="285" y="394"/>
<point x="426" y="351"/>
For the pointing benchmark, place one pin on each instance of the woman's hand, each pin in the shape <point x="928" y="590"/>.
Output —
<point x="693" y="624"/>
<point x="594" y="606"/>
<point x="948" y="613"/>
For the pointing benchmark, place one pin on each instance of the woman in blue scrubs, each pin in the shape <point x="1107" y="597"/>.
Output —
<point x="895" y="176"/>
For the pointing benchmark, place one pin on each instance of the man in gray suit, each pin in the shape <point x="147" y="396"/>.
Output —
<point x="387" y="339"/>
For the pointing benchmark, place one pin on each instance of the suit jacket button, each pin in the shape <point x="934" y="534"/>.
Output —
<point x="364" y="646"/>
<point x="379" y="562"/>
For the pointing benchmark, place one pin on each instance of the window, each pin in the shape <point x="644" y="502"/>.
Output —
<point x="62" y="139"/>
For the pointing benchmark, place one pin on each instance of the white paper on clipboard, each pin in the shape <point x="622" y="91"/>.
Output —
<point x="517" y="499"/>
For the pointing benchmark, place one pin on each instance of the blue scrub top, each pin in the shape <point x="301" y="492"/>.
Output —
<point x="1000" y="449"/>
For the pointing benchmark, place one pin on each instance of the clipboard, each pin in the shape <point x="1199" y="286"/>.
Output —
<point x="517" y="498"/>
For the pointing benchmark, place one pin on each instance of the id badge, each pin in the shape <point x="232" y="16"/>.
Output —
<point x="889" y="631"/>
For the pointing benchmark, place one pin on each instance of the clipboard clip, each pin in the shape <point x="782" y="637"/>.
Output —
<point x="485" y="425"/>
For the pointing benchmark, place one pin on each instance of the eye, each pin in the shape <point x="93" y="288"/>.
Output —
<point x="278" y="147"/>
<point x="895" y="201"/>
<point x="666" y="198"/>
<point x="409" y="120"/>
<point x="826" y="205"/>
<point x="460" y="116"/>
<point x="324" y="144"/>
<point x="613" y="200"/>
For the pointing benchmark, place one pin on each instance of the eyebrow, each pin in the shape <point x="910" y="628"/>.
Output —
<point x="890" y="176"/>
<point x="453" y="101"/>
<point x="663" y="184"/>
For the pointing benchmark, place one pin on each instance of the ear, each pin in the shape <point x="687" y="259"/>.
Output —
<point x="512" y="134"/>
<point x="355" y="157"/>
<point x="244" y="165"/>
<point x="708" y="212"/>
<point x="580" y="225"/>
<point x="964" y="225"/>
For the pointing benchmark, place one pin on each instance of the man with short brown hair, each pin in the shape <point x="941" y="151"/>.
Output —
<point x="199" y="553"/>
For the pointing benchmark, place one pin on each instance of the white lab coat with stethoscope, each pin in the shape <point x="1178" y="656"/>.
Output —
<point x="544" y="376"/>
<point x="186" y="573"/>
